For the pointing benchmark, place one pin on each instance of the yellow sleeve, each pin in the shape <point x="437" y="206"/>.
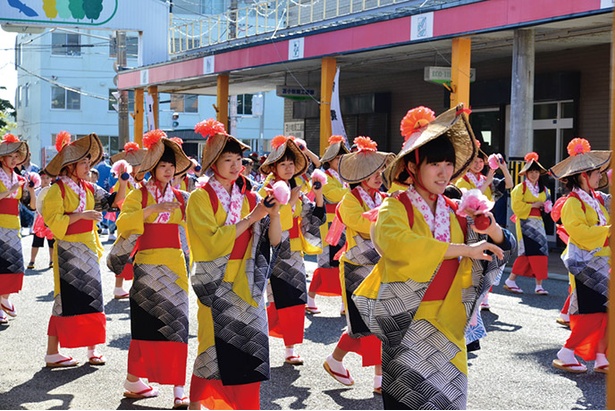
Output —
<point x="463" y="183"/>
<point x="334" y="191"/>
<point x="581" y="226"/>
<point x="54" y="212"/>
<point x="209" y="238"/>
<point x="130" y="220"/>
<point x="351" y="210"/>
<point x="392" y="233"/>
<point x="517" y="203"/>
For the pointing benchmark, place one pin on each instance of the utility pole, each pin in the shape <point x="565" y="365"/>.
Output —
<point x="123" y="125"/>
<point x="232" y="29"/>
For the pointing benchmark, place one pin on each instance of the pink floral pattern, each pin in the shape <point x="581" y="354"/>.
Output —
<point x="440" y="224"/>
<point x="477" y="180"/>
<point x="8" y="181"/>
<point x="166" y="197"/>
<point x="77" y="188"/>
<point x="534" y="189"/>
<point x="371" y="203"/>
<point x="230" y="202"/>
<point x="593" y="203"/>
<point x="336" y="176"/>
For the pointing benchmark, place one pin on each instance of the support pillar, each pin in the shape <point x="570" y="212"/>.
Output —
<point x="328" y="69"/>
<point x="153" y="91"/>
<point x="138" y="117"/>
<point x="522" y="94"/>
<point x="460" y="71"/>
<point x="222" y="100"/>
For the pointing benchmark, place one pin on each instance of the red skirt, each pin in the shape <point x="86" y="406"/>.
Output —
<point x="326" y="281"/>
<point x="216" y="396"/>
<point x="586" y="331"/>
<point x="83" y="330"/>
<point x="11" y="283"/>
<point x="163" y="362"/>
<point x="287" y="323"/>
<point x="532" y="266"/>
<point x="368" y="347"/>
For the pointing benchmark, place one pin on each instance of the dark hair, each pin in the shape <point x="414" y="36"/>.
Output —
<point x="232" y="146"/>
<point x="435" y="151"/>
<point x="573" y="181"/>
<point x="168" y="156"/>
<point x="289" y="155"/>
<point x="247" y="162"/>
<point x="453" y="192"/>
<point x="534" y="166"/>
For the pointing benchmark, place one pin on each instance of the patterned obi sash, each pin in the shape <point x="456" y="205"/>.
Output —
<point x="158" y="235"/>
<point x="9" y="206"/>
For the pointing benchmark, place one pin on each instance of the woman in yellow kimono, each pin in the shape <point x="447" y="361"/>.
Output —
<point x="423" y="291"/>
<point x="12" y="153"/>
<point x="587" y="256"/>
<point x="70" y="212"/>
<point x="159" y="294"/>
<point x="326" y="277"/>
<point x="363" y="171"/>
<point x="301" y="220"/>
<point x="118" y="259"/>
<point x="228" y="234"/>
<point x="527" y="201"/>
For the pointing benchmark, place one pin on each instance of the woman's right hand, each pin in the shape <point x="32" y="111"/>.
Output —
<point x="538" y="204"/>
<point x="477" y="251"/>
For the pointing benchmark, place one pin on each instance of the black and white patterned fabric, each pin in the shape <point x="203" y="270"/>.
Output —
<point x="591" y="275"/>
<point x="120" y="252"/>
<point x="534" y="241"/>
<point x="11" y="260"/>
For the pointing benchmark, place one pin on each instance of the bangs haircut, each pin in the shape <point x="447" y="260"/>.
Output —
<point x="168" y="156"/>
<point x="288" y="155"/>
<point x="232" y="147"/>
<point x="435" y="151"/>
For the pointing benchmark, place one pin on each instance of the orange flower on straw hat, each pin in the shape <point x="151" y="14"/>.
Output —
<point x="415" y="120"/>
<point x="152" y="137"/>
<point x="62" y="140"/>
<point x="278" y="141"/>
<point x="363" y="163"/>
<point x="335" y="138"/>
<point x="216" y="139"/>
<point x="365" y="144"/>
<point x="209" y="127"/>
<point x="578" y="146"/>
<point x="531" y="156"/>
<point x="10" y="138"/>
<point x="131" y="146"/>
<point x="582" y="159"/>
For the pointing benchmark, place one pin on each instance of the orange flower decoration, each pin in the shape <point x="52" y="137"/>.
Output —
<point x="365" y="144"/>
<point x="152" y="137"/>
<point x="277" y="141"/>
<point x="531" y="156"/>
<point x="415" y="119"/>
<point x="10" y="138"/>
<point x="578" y="146"/>
<point x="178" y="140"/>
<point x="131" y="146"/>
<point x="209" y="127"/>
<point x="62" y="140"/>
<point x="334" y="139"/>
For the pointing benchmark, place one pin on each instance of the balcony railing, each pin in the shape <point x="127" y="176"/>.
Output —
<point x="276" y="17"/>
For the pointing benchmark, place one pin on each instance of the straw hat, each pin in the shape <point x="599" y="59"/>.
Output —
<point x="279" y="144"/>
<point x="217" y="138"/>
<point x="531" y="159"/>
<point x="132" y="153"/>
<point x="155" y="142"/>
<point x="360" y="165"/>
<point x="73" y="152"/>
<point x="11" y="144"/>
<point x="337" y="146"/>
<point x="582" y="159"/>
<point x="420" y="126"/>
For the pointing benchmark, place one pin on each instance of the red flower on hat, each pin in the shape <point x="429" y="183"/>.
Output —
<point x="278" y="141"/>
<point x="152" y="137"/>
<point x="10" y="138"/>
<point x="178" y="140"/>
<point x="415" y="119"/>
<point x="131" y="146"/>
<point x="334" y="139"/>
<point x="365" y="144"/>
<point x="578" y="146"/>
<point x="209" y="127"/>
<point x="62" y="140"/>
<point x="531" y="156"/>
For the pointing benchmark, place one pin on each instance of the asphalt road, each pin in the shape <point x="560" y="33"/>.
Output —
<point x="511" y="371"/>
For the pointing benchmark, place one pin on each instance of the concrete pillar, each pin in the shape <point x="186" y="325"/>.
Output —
<point x="522" y="94"/>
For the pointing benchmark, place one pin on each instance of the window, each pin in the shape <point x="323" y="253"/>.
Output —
<point x="132" y="47"/>
<point x="62" y="99"/>
<point x="64" y="44"/>
<point x="185" y="103"/>
<point x="244" y="105"/>
<point x="110" y="144"/>
<point x="26" y="95"/>
<point x="113" y="100"/>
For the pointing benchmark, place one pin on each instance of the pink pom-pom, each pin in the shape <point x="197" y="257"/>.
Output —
<point x="319" y="175"/>
<point x="300" y="143"/>
<point x="281" y="192"/>
<point x="35" y="178"/>
<point x="473" y="202"/>
<point x="547" y="206"/>
<point x="494" y="161"/>
<point x="120" y="167"/>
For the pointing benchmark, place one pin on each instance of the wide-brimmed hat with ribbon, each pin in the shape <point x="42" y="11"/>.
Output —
<point x="420" y="126"/>
<point x="361" y="164"/>
<point x="155" y="142"/>
<point x="133" y="154"/>
<point x="531" y="162"/>
<point x="70" y="152"/>
<point x="216" y="136"/>
<point x="279" y="144"/>
<point x="336" y="147"/>
<point x="582" y="159"/>
<point x="11" y="144"/>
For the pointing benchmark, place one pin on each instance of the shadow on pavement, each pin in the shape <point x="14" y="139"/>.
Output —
<point x="374" y="403"/>
<point x="282" y="381"/>
<point x="493" y="324"/>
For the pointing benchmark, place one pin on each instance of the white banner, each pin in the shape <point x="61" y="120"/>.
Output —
<point x="149" y="111"/>
<point x="337" y="125"/>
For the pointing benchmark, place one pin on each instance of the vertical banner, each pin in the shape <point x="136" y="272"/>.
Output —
<point x="337" y="125"/>
<point x="149" y="110"/>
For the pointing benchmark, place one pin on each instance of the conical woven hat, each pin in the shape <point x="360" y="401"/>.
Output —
<point x="155" y="151"/>
<point x="582" y="159"/>
<point x="132" y="154"/>
<point x="337" y="146"/>
<point x="279" y="145"/>
<point x="360" y="165"/>
<point x="75" y="151"/>
<point x="217" y="138"/>
<point x="531" y="159"/>
<point x="11" y="144"/>
<point x="453" y="124"/>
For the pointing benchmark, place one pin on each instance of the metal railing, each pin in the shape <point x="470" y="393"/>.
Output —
<point x="288" y="16"/>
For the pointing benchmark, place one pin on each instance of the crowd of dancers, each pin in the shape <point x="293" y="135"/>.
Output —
<point x="408" y="240"/>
